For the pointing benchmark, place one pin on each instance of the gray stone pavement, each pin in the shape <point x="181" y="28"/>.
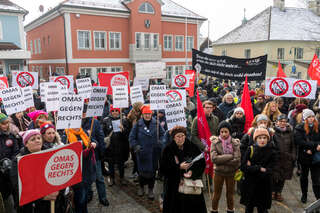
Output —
<point x="123" y="199"/>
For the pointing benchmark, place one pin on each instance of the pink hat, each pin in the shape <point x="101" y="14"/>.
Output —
<point x="28" y="134"/>
<point x="35" y="114"/>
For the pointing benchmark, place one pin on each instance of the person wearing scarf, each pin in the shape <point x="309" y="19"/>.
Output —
<point x="88" y="167"/>
<point x="225" y="155"/>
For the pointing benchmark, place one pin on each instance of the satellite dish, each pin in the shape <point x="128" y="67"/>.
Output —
<point x="41" y="8"/>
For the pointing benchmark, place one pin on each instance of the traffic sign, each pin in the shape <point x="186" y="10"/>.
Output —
<point x="279" y="86"/>
<point x="301" y="88"/>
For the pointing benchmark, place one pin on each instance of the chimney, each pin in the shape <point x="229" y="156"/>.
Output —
<point x="314" y="6"/>
<point x="279" y="4"/>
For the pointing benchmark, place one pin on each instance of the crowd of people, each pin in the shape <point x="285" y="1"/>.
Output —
<point x="284" y="135"/>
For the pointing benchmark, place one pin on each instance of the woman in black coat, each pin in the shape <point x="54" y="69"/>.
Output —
<point x="174" y="167"/>
<point x="307" y="137"/>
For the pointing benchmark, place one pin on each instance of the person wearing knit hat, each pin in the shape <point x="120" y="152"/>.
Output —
<point x="259" y="132"/>
<point x="145" y="109"/>
<point x="30" y="135"/>
<point x="50" y="136"/>
<point x="38" y="117"/>
<point x="261" y="120"/>
<point x="178" y="129"/>
<point x="238" y="110"/>
<point x="224" y="124"/>
<point x="3" y="117"/>
<point x="306" y="113"/>
<point x="237" y="122"/>
<point x="113" y="109"/>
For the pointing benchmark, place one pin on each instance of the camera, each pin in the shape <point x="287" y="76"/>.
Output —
<point x="5" y="165"/>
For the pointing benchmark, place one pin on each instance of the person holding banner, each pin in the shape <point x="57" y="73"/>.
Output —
<point x="145" y="142"/>
<point x="88" y="167"/>
<point x="32" y="141"/>
<point x="176" y="164"/>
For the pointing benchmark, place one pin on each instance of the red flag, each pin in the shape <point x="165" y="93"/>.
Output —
<point x="190" y="89"/>
<point x="280" y="73"/>
<point x="314" y="69"/>
<point x="246" y="105"/>
<point x="204" y="135"/>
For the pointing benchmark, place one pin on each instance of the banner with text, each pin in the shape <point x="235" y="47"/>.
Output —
<point x="151" y="70"/>
<point x="13" y="100"/>
<point x="120" y="97"/>
<point x="229" y="68"/>
<point x="144" y="82"/>
<point x="84" y="87"/>
<point x="175" y="115"/>
<point x="28" y="97"/>
<point x="52" y="94"/>
<point x="96" y="101"/>
<point x="158" y="98"/>
<point x="110" y="80"/>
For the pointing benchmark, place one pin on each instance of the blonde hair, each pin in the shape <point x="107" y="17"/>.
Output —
<point x="266" y="111"/>
<point x="255" y="123"/>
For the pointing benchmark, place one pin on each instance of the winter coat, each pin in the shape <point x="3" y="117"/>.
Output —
<point x="118" y="150"/>
<point x="225" y="164"/>
<point x="96" y="135"/>
<point x="284" y="142"/>
<point x="172" y="157"/>
<point x="147" y="145"/>
<point x="256" y="187"/>
<point x="57" y="142"/>
<point x="213" y="123"/>
<point x="217" y="112"/>
<point x="226" y="108"/>
<point x="237" y="127"/>
<point x="306" y="142"/>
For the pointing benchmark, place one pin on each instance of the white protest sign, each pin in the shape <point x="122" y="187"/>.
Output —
<point x="144" y="82"/>
<point x="63" y="90"/>
<point x="180" y="81"/>
<point x="65" y="80"/>
<point x="52" y="94"/>
<point x="175" y="115"/>
<point x="120" y="97"/>
<point x="158" y="98"/>
<point x="151" y="70"/>
<point x="43" y="91"/>
<point x="23" y="79"/>
<point x="84" y="87"/>
<point x="136" y="94"/>
<point x="13" y="100"/>
<point x="177" y="95"/>
<point x="116" y="125"/>
<point x="28" y="97"/>
<point x="290" y="87"/>
<point x="96" y="101"/>
<point x="70" y="112"/>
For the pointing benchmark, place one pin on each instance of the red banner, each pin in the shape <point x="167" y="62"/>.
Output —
<point x="280" y="73"/>
<point x="314" y="69"/>
<point x="3" y="83"/>
<point x="204" y="134"/>
<point x="246" y="105"/>
<point x="113" y="79"/>
<point x="48" y="171"/>
<point x="190" y="89"/>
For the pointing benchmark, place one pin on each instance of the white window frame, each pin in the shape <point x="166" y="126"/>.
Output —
<point x="120" y="41"/>
<point x="188" y="41"/>
<point x="247" y="53"/>
<point x="164" y="42"/>
<point x="105" y="40"/>
<point x="10" y="65"/>
<point x="106" y="69"/>
<point x="169" y="73"/>
<point x="178" y="70"/>
<point x="182" y="45"/>
<point x="280" y="53"/>
<point x="86" y="70"/>
<point x="224" y="52"/>
<point x="1" y="31"/>
<point x="78" y="41"/>
<point x="35" y="47"/>
<point x="298" y="53"/>
<point x="31" y="47"/>
<point x="152" y="43"/>
<point x="60" y="70"/>
<point x="140" y="40"/>
<point x="117" y="69"/>
<point x="39" y="45"/>
<point x="149" y="42"/>
<point x="146" y="8"/>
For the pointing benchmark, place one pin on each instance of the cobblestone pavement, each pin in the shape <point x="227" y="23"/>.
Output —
<point x="123" y="199"/>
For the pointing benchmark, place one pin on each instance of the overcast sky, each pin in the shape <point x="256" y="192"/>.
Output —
<point x="224" y="15"/>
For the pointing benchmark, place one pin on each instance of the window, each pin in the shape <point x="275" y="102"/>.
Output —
<point x="147" y="41"/>
<point x="138" y="40"/>
<point x="31" y="47"/>
<point x="280" y="53"/>
<point x="169" y="72"/>
<point x="39" y="46"/>
<point x="84" y="40"/>
<point x="178" y="70"/>
<point x="146" y="8"/>
<point x="35" y="47"/>
<point x="1" y="33"/>
<point x="14" y="67"/>
<point x="115" y="41"/>
<point x="102" y="69"/>
<point x="44" y="41"/>
<point x="247" y="53"/>
<point x="224" y="52"/>
<point x="317" y="51"/>
<point x="298" y="53"/>
<point x="116" y="69"/>
<point x="189" y="43"/>
<point x="60" y="70"/>
<point x="99" y="40"/>
<point x="155" y="41"/>
<point x="167" y="42"/>
<point x="189" y="67"/>
<point x="84" y="71"/>
<point x="40" y="72"/>
<point x="48" y="40"/>
<point x="179" y="43"/>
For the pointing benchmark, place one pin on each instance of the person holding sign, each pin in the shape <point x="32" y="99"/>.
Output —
<point x="176" y="165"/>
<point x="32" y="141"/>
<point x="145" y="142"/>
<point x="118" y="151"/>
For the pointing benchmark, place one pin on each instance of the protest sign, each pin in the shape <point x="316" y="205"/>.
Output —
<point x="27" y="97"/>
<point x="65" y="80"/>
<point x="23" y="79"/>
<point x="144" y="82"/>
<point x="113" y="79"/>
<point x="63" y="90"/>
<point x="70" y="112"/>
<point x="52" y="94"/>
<point x="136" y="94"/>
<point x="151" y="70"/>
<point x="13" y="100"/>
<point x="291" y="88"/>
<point x="116" y="125"/>
<point x="192" y="77"/>
<point x="175" y="115"/>
<point x="96" y="101"/>
<point x="43" y="91"/>
<point x="158" y="98"/>
<point x="84" y="87"/>
<point x="48" y="171"/>
<point x="180" y="81"/>
<point x="3" y="83"/>
<point x="177" y="95"/>
<point x="225" y="67"/>
<point x="120" y="97"/>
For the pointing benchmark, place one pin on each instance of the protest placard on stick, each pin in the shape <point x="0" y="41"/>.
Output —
<point x="96" y="101"/>
<point x="13" y="100"/>
<point x="120" y="97"/>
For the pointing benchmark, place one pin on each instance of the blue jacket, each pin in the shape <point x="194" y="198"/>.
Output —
<point x="150" y="147"/>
